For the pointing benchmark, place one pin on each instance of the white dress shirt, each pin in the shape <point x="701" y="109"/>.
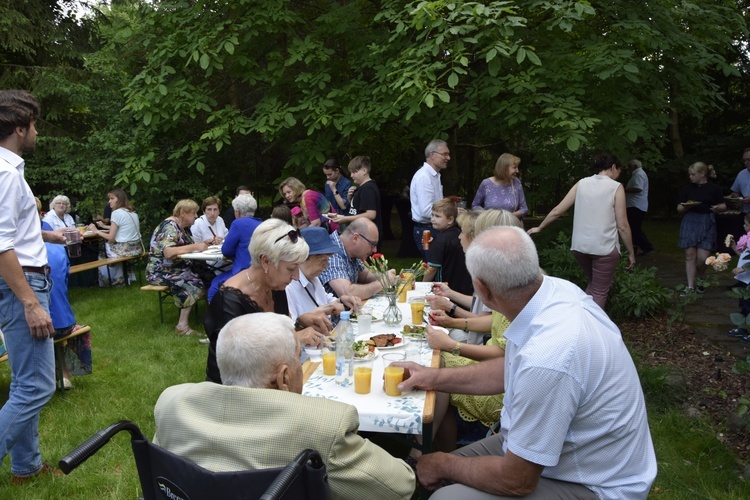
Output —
<point x="300" y="302"/>
<point x="424" y="191"/>
<point x="20" y="229"/>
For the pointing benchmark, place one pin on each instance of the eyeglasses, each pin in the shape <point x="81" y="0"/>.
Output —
<point x="368" y="240"/>
<point x="447" y="154"/>
<point x="294" y="235"/>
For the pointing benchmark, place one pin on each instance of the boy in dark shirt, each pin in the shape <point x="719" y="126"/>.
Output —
<point x="447" y="261"/>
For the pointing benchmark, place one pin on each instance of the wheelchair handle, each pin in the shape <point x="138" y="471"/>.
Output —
<point x="82" y="452"/>
<point x="285" y="478"/>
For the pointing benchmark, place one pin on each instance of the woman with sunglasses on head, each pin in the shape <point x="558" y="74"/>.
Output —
<point x="276" y="251"/>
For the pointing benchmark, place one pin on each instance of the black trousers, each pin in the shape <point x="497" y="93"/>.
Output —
<point x="635" y="219"/>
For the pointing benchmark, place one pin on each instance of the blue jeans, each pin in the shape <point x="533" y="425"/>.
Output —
<point x="32" y="366"/>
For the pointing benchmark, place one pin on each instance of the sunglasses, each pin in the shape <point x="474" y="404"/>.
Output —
<point x="294" y="235"/>
<point x="368" y="240"/>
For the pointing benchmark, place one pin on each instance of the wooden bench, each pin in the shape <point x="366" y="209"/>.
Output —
<point x="60" y="344"/>
<point x="165" y="293"/>
<point x="94" y="264"/>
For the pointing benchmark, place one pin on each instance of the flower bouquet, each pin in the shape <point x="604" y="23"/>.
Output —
<point x="378" y="266"/>
<point x="720" y="261"/>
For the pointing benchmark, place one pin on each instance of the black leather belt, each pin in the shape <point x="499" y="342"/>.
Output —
<point x="39" y="270"/>
<point x="422" y="224"/>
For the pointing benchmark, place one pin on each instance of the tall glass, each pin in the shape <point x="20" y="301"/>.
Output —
<point x="362" y="375"/>
<point x="417" y="310"/>
<point x="394" y="375"/>
<point x="364" y="320"/>
<point x="406" y="284"/>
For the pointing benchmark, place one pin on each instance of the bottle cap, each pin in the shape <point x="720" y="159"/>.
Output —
<point x="345" y="315"/>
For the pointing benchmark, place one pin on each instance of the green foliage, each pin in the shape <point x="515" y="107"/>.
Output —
<point x="557" y="260"/>
<point x="637" y="293"/>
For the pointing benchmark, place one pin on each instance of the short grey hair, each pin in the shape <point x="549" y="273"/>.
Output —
<point x="505" y="260"/>
<point x="60" y="198"/>
<point x="250" y="347"/>
<point x="245" y="204"/>
<point x="433" y="146"/>
<point x="635" y="163"/>
<point x="270" y="239"/>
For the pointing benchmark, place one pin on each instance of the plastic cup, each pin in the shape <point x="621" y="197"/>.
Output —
<point x="417" y="310"/>
<point x="73" y="242"/>
<point x="406" y="284"/>
<point x="328" y="353"/>
<point x="362" y="375"/>
<point x="364" y="320"/>
<point x="394" y="375"/>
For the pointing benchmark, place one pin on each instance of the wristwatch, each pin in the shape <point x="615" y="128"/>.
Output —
<point x="457" y="349"/>
<point x="335" y="193"/>
<point x="452" y="311"/>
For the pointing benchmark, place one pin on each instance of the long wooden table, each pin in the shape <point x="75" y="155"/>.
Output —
<point x="378" y="412"/>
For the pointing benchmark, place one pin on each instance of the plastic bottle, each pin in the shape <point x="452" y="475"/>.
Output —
<point x="344" y="335"/>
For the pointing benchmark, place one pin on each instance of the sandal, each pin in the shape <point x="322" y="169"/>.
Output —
<point x="186" y="332"/>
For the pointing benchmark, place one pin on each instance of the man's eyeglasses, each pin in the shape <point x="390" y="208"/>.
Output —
<point x="294" y="235"/>
<point x="447" y="154"/>
<point x="368" y="240"/>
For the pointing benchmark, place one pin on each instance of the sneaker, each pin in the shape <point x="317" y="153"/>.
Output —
<point x="67" y="384"/>
<point x="687" y="291"/>
<point x="738" y="332"/>
<point x="204" y="341"/>
<point x="700" y="289"/>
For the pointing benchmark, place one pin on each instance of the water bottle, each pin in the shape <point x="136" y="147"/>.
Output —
<point x="344" y="334"/>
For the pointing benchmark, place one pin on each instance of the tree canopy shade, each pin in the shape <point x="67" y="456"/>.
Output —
<point x="192" y="97"/>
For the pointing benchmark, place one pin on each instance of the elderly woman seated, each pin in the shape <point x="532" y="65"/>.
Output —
<point x="171" y="239"/>
<point x="307" y="294"/>
<point x="209" y="227"/>
<point x="276" y="251"/>
<point x="59" y="213"/>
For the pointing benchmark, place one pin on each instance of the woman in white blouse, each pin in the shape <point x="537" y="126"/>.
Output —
<point x="209" y="227"/>
<point x="59" y="213"/>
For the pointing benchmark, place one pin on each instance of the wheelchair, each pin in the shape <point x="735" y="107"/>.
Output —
<point x="164" y="475"/>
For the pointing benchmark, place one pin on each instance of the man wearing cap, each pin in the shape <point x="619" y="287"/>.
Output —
<point x="24" y="293"/>
<point x="426" y="188"/>
<point x="337" y="186"/>
<point x="307" y="293"/>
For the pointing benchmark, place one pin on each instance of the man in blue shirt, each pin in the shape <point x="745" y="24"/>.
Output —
<point x="741" y="186"/>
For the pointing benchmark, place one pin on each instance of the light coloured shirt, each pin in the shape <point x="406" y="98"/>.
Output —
<point x="638" y="180"/>
<point x="573" y="401"/>
<point x="20" y="229"/>
<point x="304" y="295"/>
<point x="56" y="222"/>
<point x="425" y="189"/>
<point x="594" y="223"/>
<point x="201" y="232"/>
<point x="742" y="186"/>
<point x="128" y="225"/>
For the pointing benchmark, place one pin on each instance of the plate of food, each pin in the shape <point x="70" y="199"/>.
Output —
<point x="690" y="203"/>
<point x="353" y="317"/>
<point x="414" y="331"/>
<point x="365" y="349"/>
<point x="733" y="198"/>
<point x="385" y="341"/>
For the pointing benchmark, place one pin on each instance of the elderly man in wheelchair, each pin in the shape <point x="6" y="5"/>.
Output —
<point x="259" y="419"/>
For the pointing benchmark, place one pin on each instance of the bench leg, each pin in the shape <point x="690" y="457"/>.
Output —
<point x="59" y="353"/>
<point x="161" y="308"/>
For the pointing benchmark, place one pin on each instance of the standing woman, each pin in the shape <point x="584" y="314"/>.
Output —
<point x="503" y="190"/>
<point x="698" y="226"/>
<point x="59" y="213"/>
<point x="123" y="238"/>
<point x="365" y="197"/>
<point x="600" y="215"/>
<point x="313" y="204"/>
<point x="171" y="239"/>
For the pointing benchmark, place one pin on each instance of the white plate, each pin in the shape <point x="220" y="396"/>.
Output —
<point x="367" y="336"/>
<point x="374" y="354"/>
<point x="690" y="204"/>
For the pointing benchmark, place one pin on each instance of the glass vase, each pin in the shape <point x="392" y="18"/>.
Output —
<point x="392" y="314"/>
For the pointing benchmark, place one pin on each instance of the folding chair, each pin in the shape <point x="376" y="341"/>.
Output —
<point x="164" y="475"/>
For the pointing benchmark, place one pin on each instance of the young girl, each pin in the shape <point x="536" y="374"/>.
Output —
<point x="742" y="248"/>
<point x="699" y="201"/>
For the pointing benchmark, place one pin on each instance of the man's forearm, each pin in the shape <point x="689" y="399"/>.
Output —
<point x="486" y="377"/>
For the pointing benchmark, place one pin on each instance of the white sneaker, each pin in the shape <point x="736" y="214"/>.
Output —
<point x="204" y="341"/>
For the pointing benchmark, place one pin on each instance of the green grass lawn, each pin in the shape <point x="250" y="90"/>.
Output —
<point x="135" y="358"/>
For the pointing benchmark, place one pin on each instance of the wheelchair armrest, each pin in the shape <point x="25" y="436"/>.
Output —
<point x="85" y="450"/>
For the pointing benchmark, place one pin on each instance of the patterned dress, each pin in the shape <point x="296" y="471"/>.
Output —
<point x="186" y="285"/>
<point x="471" y="408"/>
